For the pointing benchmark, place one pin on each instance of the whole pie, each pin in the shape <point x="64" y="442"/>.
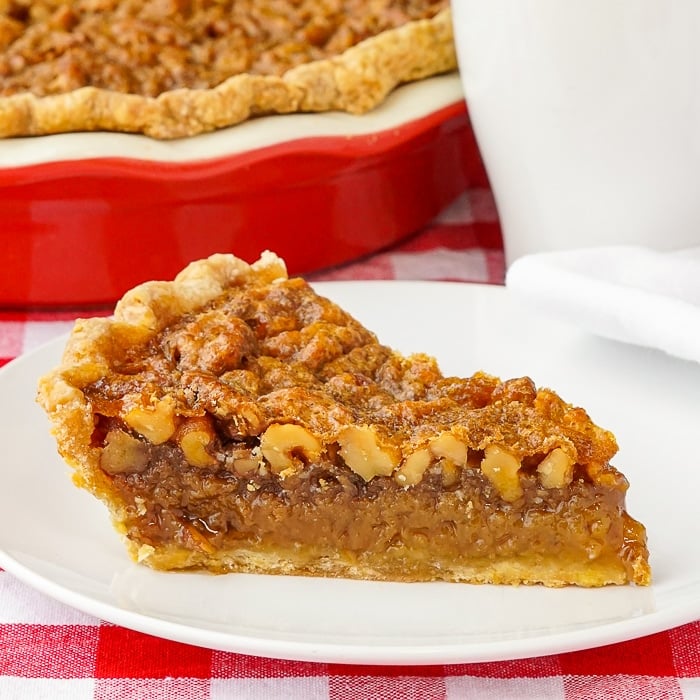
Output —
<point x="233" y="420"/>
<point x="171" y="68"/>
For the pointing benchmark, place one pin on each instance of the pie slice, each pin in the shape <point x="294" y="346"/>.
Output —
<point x="172" y="68"/>
<point x="235" y="421"/>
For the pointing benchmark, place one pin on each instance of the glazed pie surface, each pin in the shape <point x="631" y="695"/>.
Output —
<point x="234" y="421"/>
<point x="171" y="68"/>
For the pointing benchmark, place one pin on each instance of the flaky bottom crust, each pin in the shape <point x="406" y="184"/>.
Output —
<point x="549" y="571"/>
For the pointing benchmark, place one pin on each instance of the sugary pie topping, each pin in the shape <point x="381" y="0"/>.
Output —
<point x="172" y="68"/>
<point x="150" y="47"/>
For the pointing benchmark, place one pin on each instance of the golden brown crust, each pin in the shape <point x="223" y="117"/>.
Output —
<point x="231" y="405"/>
<point x="554" y="571"/>
<point x="355" y="81"/>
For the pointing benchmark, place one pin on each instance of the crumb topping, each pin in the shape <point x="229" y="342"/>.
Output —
<point x="279" y="364"/>
<point x="147" y="48"/>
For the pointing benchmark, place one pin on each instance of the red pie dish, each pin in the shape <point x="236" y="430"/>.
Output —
<point x="86" y="216"/>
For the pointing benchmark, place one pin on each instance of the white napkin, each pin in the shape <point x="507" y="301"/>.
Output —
<point x="627" y="293"/>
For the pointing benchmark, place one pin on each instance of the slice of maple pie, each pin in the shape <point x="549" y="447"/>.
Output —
<point x="234" y="420"/>
<point x="171" y="68"/>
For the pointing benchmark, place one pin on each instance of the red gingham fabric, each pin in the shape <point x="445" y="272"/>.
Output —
<point x="48" y="650"/>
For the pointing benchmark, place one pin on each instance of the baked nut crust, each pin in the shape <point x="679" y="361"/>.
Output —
<point x="356" y="80"/>
<point x="234" y="420"/>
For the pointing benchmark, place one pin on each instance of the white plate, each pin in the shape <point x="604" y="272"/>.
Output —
<point x="58" y="539"/>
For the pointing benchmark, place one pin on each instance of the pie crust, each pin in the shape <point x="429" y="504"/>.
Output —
<point x="233" y="420"/>
<point x="355" y="80"/>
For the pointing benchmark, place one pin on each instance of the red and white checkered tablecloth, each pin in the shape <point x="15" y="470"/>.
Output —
<point x="48" y="650"/>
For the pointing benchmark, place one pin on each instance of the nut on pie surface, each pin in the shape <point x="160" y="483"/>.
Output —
<point x="233" y="420"/>
<point x="173" y="68"/>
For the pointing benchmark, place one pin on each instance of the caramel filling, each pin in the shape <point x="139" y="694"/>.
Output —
<point x="451" y="516"/>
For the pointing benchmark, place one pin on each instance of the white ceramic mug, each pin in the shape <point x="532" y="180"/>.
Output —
<point x="587" y="114"/>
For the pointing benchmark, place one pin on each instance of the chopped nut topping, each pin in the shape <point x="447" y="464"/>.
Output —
<point x="501" y="468"/>
<point x="363" y="453"/>
<point x="449" y="447"/>
<point x="194" y="436"/>
<point x="556" y="470"/>
<point x="281" y="445"/>
<point x="413" y="468"/>
<point x="156" y="421"/>
<point x="123" y="453"/>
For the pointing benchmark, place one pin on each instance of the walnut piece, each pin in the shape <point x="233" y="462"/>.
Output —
<point x="556" y="470"/>
<point x="282" y="444"/>
<point x="445" y="449"/>
<point x="501" y="467"/>
<point x="449" y="447"/>
<point x="362" y="452"/>
<point x="413" y="468"/>
<point x="194" y="435"/>
<point x="156" y="422"/>
<point x="123" y="454"/>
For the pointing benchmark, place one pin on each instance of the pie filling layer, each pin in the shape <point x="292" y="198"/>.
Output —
<point x="233" y="420"/>
<point x="325" y="518"/>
